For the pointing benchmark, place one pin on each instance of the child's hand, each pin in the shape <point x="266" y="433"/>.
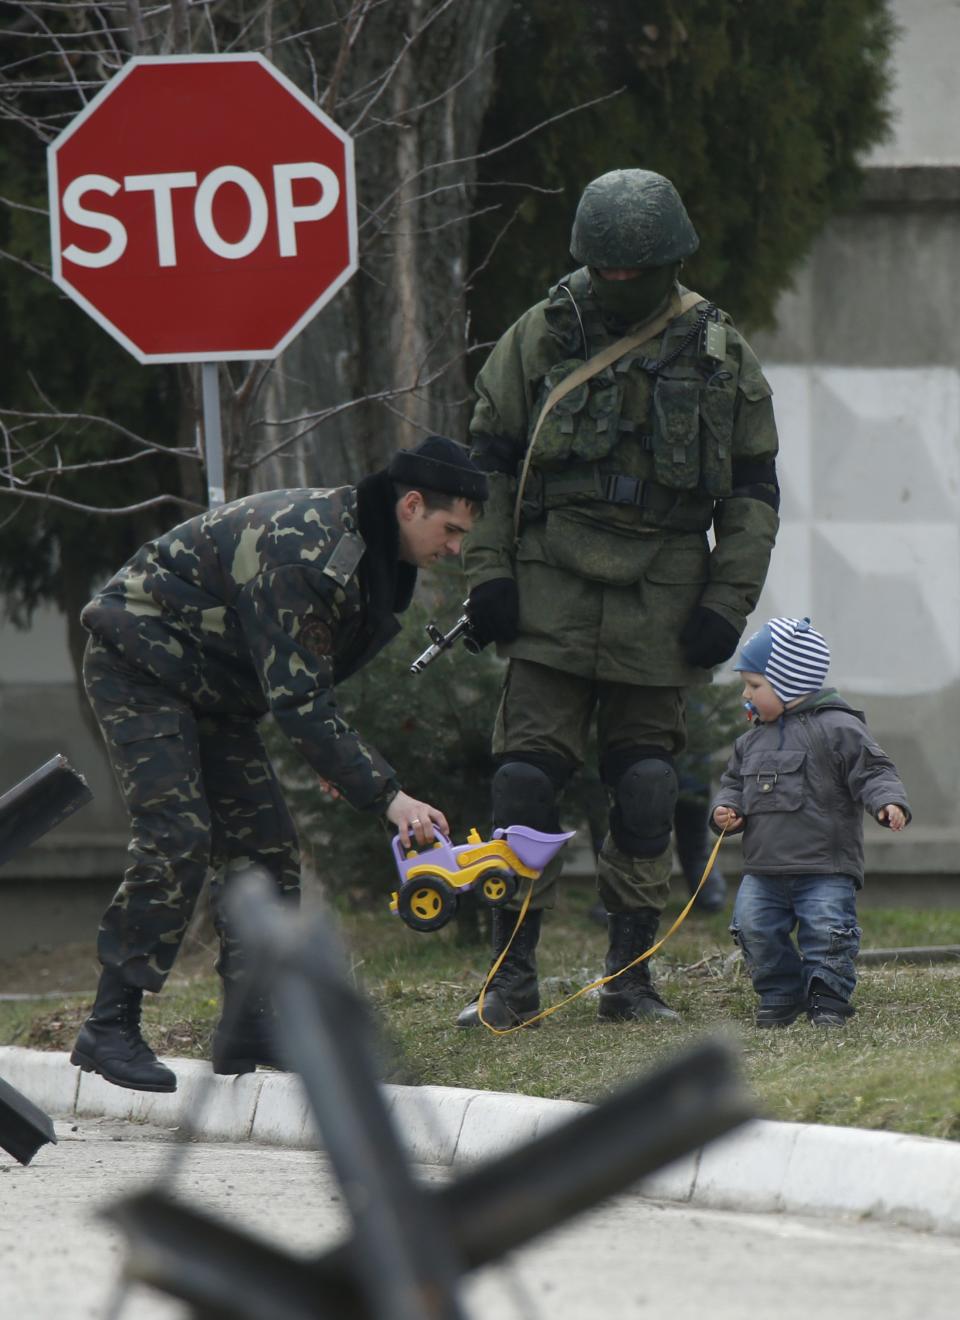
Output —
<point x="725" y="818"/>
<point x="893" y="816"/>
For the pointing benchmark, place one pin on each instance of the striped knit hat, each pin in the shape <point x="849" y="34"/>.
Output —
<point x="792" y="656"/>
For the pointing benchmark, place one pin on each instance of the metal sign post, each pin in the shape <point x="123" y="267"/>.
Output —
<point x="212" y="434"/>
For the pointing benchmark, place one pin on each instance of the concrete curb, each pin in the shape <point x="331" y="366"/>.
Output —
<point x="765" y="1166"/>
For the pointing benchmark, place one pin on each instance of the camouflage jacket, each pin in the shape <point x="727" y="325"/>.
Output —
<point x="265" y="604"/>
<point x="630" y="471"/>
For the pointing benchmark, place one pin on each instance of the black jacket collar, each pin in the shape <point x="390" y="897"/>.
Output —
<point x="388" y="583"/>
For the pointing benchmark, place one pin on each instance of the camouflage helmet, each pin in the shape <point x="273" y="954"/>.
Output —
<point x="631" y="218"/>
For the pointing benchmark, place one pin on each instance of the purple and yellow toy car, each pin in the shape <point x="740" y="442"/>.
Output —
<point x="432" y="879"/>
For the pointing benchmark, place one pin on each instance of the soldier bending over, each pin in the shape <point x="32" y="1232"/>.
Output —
<point x="260" y="605"/>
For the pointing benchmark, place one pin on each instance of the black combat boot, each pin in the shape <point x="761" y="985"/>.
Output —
<point x="513" y="995"/>
<point x="825" y="1008"/>
<point x="631" y="996"/>
<point x="110" y="1042"/>
<point x="243" y="1038"/>
<point x="694" y="842"/>
<point x="778" y="1015"/>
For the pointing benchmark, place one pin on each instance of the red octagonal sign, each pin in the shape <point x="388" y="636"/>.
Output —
<point x="202" y="208"/>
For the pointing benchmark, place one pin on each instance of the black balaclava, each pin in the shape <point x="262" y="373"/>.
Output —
<point x="637" y="299"/>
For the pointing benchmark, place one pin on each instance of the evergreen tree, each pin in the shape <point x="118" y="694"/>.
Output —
<point x="757" y="112"/>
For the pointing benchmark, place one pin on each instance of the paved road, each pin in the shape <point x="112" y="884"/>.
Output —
<point x="628" y="1259"/>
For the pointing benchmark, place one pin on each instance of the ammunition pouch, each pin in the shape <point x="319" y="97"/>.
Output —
<point x="583" y="424"/>
<point x="680" y="406"/>
<point x="693" y="431"/>
<point x="676" y="433"/>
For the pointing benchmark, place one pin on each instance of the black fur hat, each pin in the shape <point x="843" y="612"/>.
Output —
<point x="439" y="464"/>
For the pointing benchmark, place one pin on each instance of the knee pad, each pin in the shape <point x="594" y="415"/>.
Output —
<point x="524" y="794"/>
<point x="645" y="798"/>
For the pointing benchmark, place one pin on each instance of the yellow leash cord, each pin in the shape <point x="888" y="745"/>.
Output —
<point x="594" y="985"/>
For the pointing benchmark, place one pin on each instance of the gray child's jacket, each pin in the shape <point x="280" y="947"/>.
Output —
<point x="802" y="784"/>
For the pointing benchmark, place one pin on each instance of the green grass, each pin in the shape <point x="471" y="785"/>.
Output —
<point x="895" y="1066"/>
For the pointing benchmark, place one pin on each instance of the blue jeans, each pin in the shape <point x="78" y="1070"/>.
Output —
<point x="823" y="911"/>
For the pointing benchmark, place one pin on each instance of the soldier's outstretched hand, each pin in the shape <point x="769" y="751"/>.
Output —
<point x="413" y="818"/>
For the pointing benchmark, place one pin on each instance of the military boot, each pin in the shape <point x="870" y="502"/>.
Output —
<point x="631" y="996"/>
<point x="244" y="1037"/>
<point x="825" y="1008"/>
<point x="110" y="1042"/>
<point x="513" y="995"/>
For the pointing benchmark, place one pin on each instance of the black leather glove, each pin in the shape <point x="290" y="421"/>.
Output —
<point x="494" y="611"/>
<point x="707" y="639"/>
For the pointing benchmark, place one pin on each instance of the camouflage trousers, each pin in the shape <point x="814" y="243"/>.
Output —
<point x="202" y="798"/>
<point x="546" y="712"/>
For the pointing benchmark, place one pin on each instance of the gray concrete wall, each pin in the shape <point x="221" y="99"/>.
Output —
<point x="925" y="82"/>
<point x="865" y="366"/>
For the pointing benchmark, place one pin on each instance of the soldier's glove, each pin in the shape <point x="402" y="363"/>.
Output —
<point x="707" y="639"/>
<point x="494" y="611"/>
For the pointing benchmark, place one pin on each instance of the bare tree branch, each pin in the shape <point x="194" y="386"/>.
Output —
<point x="63" y="417"/>
<point x="153" y="503"/>
<point x="135" y="19"/>
<point x="389" y="74"/>
<point x="317" y="419"/>
<point x="27" y="265"/>
<point x="88" y="465"/>
<point x="374" y="214"/>
<point x="53" y="38"/>
<point x="22" y="206"/>
<point x="351" y="28"/>
<point x="416" y="110"/>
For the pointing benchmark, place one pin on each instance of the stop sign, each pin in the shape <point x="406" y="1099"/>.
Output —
<point x="202" y="208"/>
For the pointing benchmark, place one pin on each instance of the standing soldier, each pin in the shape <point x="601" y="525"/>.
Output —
<point x="619" y="420"/>
<point x="260" y="605"/>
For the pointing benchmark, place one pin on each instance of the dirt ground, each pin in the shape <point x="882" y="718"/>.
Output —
<point x="176" y="1024"/>
<point x="73" y="968"/>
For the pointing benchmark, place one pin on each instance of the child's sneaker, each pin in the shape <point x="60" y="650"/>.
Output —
<point x="825" y="1009"/>
<point x="778" y="1015"/>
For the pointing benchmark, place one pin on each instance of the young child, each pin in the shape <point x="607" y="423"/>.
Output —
<point x="797" y="784"/>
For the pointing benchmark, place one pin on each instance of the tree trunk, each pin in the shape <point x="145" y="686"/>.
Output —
<point x="400" y="322"/>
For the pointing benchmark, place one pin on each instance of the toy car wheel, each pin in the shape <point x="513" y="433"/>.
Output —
<point x="497" y="887"/>
<point x="426" y="903"/>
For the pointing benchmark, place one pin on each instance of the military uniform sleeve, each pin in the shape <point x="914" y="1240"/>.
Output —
<point x="290" y="623"/>
<point x="498" y="438"/>
<point x="870" y="774"/>
<point x="746" y="521"/>
<point x="730" y="789"/>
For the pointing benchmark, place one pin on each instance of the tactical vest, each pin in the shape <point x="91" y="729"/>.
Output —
<point x="654" y="429"/>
